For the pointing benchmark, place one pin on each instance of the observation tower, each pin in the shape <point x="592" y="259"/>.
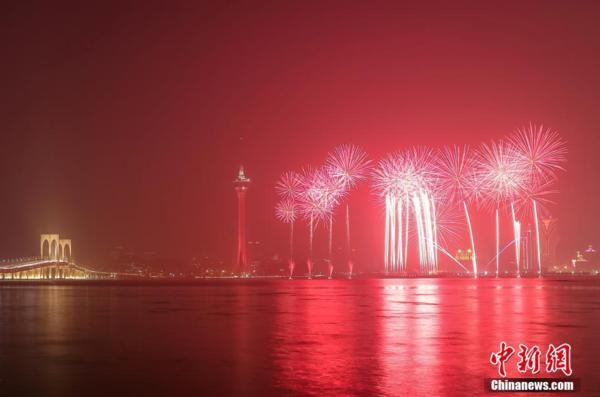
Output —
<point x="241" y="184"/>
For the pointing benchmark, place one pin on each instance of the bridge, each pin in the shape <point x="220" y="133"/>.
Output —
<point x="54" y="263"/>
<point x="48" y="269"/>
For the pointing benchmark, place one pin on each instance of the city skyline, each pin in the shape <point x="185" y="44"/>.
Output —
<point x="152" y="171"/>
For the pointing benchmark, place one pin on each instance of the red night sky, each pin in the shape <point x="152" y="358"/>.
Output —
<point x="124" y="123"/>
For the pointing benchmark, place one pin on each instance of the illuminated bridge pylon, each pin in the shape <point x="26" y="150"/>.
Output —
<point x="54" y="247"/>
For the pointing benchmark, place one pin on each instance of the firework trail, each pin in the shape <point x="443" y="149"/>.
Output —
<point x="458" y="182"/>
<point x="289" y="188"/>
<point x="311" y="209"/>
<point x="405" y="180"/>
<point x="448" y="224"/>
<point x="503" y="179"/>
<point x="348" y="165"/>
<point x="541" y="152"/>
<point x="387" y="183"/>
<point x="334" y="193"/>
<point x="319" y="197"/>
<point x="286" y="211"/>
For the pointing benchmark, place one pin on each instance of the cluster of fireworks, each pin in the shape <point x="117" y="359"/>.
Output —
<point x="405" y="181"/>
<point x="421" y="187"/>
<point x="316" y="193"/>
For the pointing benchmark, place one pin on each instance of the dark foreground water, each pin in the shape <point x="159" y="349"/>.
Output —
<point x="425" y="337"/>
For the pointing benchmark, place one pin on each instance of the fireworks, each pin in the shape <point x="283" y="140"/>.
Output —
<point x="348" y="165"/>
<point x="289" y="185"/>
<point x="286" y="211"/>
<point x="500" y="172"/>
<point x="456" y="166"/>
<point x="289" y="188"/>
<point x="405" y="181"/>
<point x="458" y="182"/>
<point x="541" y="152"/>
<point x="424" y="191"/>
<point x="320" y="194"/>
<point x="541" y="193"/>
<point x="504" y="179"/>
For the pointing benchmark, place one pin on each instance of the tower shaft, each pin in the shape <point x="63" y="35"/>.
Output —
<point x="241" y="257"/>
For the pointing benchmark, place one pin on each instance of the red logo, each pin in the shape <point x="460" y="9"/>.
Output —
<point x="500" y="358"/>
<point x="558" y="358"/>
<point x="529" y="359"/>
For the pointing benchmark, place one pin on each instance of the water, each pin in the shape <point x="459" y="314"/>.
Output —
<point x="374" y="337"/>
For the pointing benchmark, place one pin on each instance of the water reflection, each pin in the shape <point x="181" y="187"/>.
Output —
<point x="326" y="340"/>
<point x="361" y="337"/>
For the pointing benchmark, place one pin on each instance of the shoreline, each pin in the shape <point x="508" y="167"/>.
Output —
<point x="263" y="280"/>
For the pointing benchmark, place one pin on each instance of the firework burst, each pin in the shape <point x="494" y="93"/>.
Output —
<point x="405" y="181"/>
<point x="458" y="182"/>
<point x="289" y="185"/>
<point x="320" y="196"/>
<point x="424" y="192"/>
<point x="457" y="176"/>
<point x="504" y="178"/>
<point x="499" y="172"/>
<point x="541" y="152"/>
<point x="286" y="210"/>
<point x="348" y="165"/>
